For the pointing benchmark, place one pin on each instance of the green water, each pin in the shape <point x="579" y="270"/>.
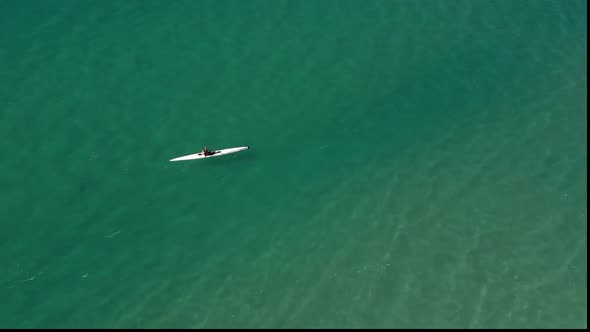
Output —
<point x="412" y="164"/>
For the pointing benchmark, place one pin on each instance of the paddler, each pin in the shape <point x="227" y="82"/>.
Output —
<point x="206" y="152"/>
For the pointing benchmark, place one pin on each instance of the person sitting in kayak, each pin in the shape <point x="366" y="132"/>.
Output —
<point x="207" y="152"/>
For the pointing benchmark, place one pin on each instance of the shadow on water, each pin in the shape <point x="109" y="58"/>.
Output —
<point x="240" y="158"/>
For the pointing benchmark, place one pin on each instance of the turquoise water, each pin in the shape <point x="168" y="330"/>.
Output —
<point x="412" y="164"/>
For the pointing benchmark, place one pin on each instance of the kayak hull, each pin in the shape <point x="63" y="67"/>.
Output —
<point x="216" y="153"/>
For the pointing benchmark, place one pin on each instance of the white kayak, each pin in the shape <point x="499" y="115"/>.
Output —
<point x="216" y="153"/>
